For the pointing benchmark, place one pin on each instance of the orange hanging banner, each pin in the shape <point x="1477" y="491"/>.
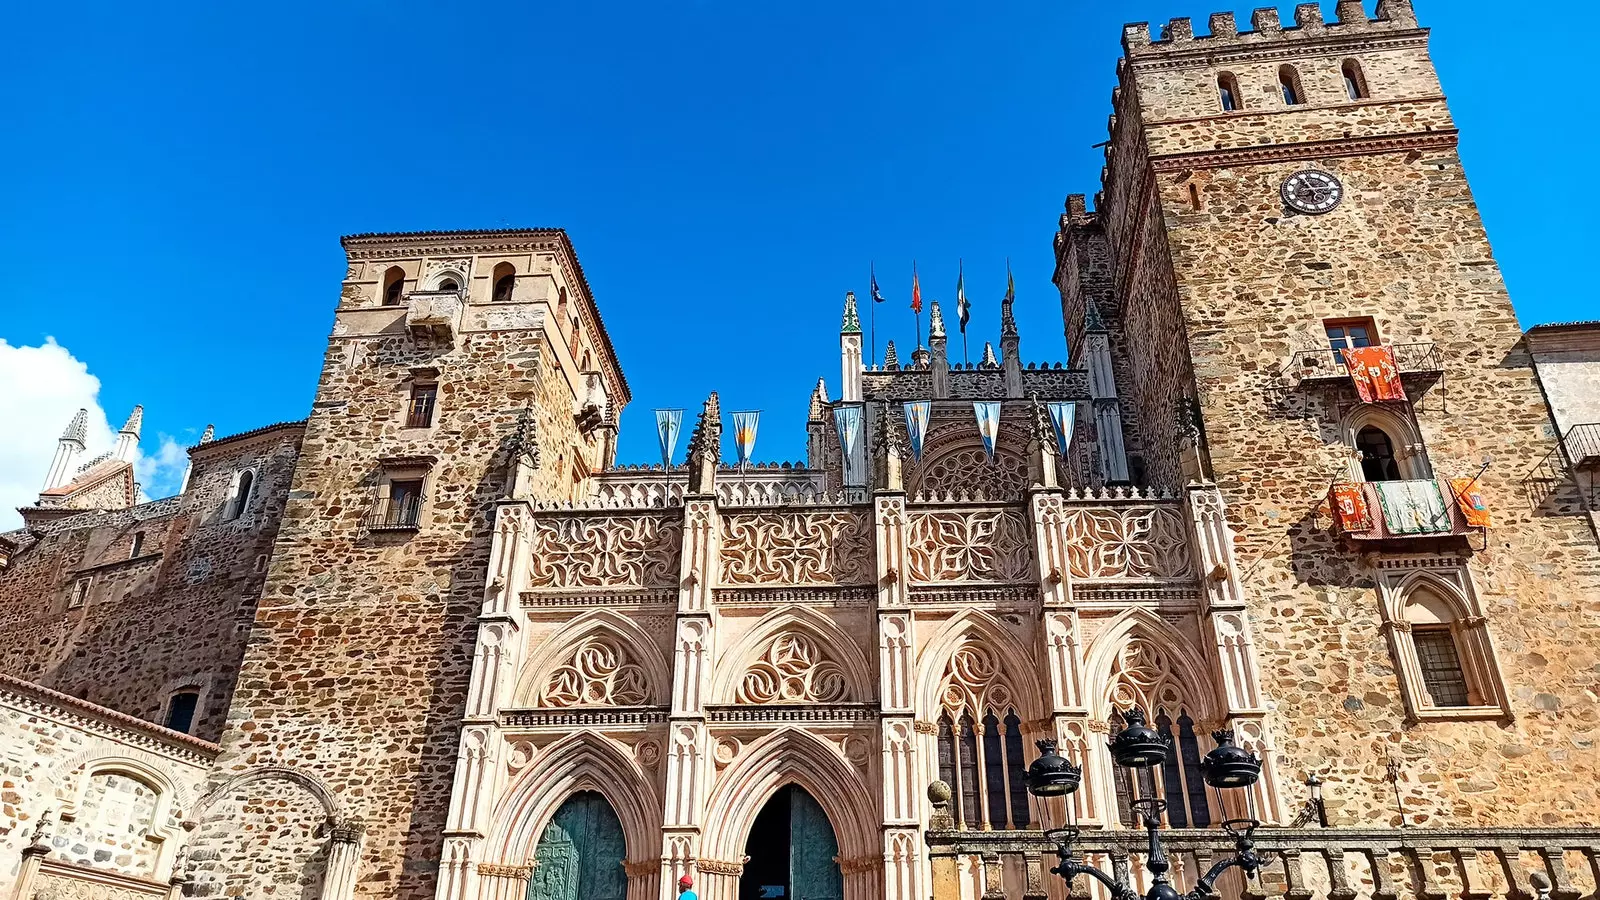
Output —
<point x="1350" y="510"/>
<point x="1469" y="496"/>
<point x="1375" y="374"/>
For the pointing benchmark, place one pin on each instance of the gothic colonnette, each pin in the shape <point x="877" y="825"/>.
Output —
<point x="432" y="642"/>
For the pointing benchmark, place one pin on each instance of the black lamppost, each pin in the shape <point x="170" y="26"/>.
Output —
<point x="1138" y="746"/>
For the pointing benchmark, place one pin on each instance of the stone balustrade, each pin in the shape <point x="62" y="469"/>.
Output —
<point x="1305" y="863"/>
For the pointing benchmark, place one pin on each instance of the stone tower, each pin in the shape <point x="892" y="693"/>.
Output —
<point x="464" y="367"/>
<point x="1271" y="197"/>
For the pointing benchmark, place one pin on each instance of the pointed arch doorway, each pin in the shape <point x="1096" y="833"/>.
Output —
<point x="791" y="849"/>
<point x="580" y="853"/>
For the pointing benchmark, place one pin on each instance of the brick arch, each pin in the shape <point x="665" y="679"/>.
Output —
<point x="316" y="787"/>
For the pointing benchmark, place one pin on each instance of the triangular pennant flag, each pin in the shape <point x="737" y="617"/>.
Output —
<point x="1063" y="414"/>
<point x="988" y="412"/>
<point x="668" y="424"/>
<point x="744" y="433"/>
<point x="847" y="419"/>
<point x="917" y="424"/>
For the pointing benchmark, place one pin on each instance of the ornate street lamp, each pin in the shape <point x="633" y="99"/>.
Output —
<point x="1138" y="746"/>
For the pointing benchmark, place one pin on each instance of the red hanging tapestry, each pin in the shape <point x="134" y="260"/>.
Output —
<point x="1350" y="510"/>
<point x="1469" y="496"/>
<point x="1374" y="373"/>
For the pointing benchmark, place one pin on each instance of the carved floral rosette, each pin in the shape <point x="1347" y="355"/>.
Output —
<point x="814" y="547"/>
<point x="1138" y="542"/>
<point x="598" y="673"/>
<point x="577" y="551"/>
<point x="968" y="545"/>
<point x="793" y="670"/>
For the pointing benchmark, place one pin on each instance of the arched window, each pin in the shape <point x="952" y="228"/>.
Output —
<point x="505" y="279"/>
<point x="181" y="707"/>
<point x="1442" y="650"/>
<point x="1355" y="83"/>
<point x="1144" y="677"/>
<point x="1378" y="461"/>
<point x="1228" y="92"/>
<point x="244" y="482"/>
<point x="394" y="284"/>
<point x="449" y="284"/>
<point x="1289" y="83"/>
<point x="981" y="743"/>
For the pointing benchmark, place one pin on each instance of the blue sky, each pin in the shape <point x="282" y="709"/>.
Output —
<point x="178" y="178"/>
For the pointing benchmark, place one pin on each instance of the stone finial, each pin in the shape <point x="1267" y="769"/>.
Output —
<point x="78" y="429"/>
<point x="135" y="421"/>
<point x="1178" y="30"/>
<point x="891" y="360"/>
<point x="1223" y="25"/>
<point x="1091" y="315"/>
<point x="1350" y="12"/>
<point x="1042" y="447"/>
<point x="1399" y="12"/>
<point x="1265" y="20"/>
<point x="819" y="399"/>
<point x="1008" y="318"/>
<point x="1308" y="15"/>
<point x="1135" y="35"/>
<point x="852" y="319"/>
<point x="705" y="447"/>
<point x="988" y="361"/>
<point x="209" y="435"/>
<point x="939" y="795"/>
<point x="891" y="447"/>
<point x="935" y="322"/>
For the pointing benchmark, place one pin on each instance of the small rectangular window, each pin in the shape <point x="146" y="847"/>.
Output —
<point x="402" y="509"/>
<point x="138" y="544"/>
<point x="419" y="412"/>
<point x="180" y="710"/>
<point x="1348" y="334"/>
<point x="1441" y="666"/>
<point x="80" y="593"/>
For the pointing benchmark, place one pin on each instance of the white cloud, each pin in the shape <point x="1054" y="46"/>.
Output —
<point x="41" y="388"/>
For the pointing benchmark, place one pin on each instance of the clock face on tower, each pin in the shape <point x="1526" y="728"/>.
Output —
<point x="1312" y="192"/>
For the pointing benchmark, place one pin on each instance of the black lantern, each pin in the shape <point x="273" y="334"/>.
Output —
<point x="1052" y="775"/>
<point x="1229" y="765"/>
<point x="1137" y="745"/>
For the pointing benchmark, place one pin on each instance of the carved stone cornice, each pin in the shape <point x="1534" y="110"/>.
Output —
<point x="583" y="718"/>
<point x="1443" y="139"/>
<point x="721" y="866"/>
<point x="776" y="713"/>
<point x="106" y="723"/>
<point x="493" y="870"/>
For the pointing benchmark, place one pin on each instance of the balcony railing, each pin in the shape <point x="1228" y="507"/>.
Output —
<point x="1304" y="863"/>
<point x="1419" y="360"/>
<point x="1402" y="520"/>
<point x="402" y="514"/>
<point x="1576" y="459"/>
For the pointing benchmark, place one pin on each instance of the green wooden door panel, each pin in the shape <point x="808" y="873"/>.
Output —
<point x="813" y="874"/>
<point x="580" y="853"/>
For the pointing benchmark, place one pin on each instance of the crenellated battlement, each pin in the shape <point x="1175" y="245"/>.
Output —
<point x="1267" y="28"/>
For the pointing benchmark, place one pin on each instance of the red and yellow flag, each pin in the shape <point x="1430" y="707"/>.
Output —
<point x="916" y="292"/>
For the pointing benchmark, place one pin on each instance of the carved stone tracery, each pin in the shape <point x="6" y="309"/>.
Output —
<point x="812" y="547"/>
<point x="974" y="682"/>
<point x="598" y="673"/>
<point x="969" y="470"/>
<point x="1143" y="542"/>
<point x="963" y="545"/>
<point x="1144" y="675"/>
<point x="604" y="551"/>
<point x="793" y="670"/>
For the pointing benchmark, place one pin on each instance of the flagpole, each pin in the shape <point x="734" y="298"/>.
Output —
<point x="872" y="317"/>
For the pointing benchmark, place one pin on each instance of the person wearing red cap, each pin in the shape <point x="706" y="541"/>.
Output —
<point x="686" y="889"/>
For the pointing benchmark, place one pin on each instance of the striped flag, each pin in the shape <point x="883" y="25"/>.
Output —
<point x="744" y="433"/>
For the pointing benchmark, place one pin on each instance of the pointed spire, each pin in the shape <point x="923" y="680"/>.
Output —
<point x="890" y="359"/>
<point x="852" y="319"/>
<point x="935" y="322"/>
<point x="135" y="420"/>
<point x="988" y="361"/>
<point x="705" y="447"/>
<point x="1091" y="316"/>
<point x="1008" y="321"/>
<point x="209" y="434"/>
<point x="819" y="399"/>
<point x="78" y="429"/>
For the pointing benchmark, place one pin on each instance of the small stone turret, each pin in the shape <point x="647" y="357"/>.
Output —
<point x="128" y="437"/>
<point x="891" y="359"/>
<point x="938" y="344"/>
<point x="705" y="448"/>
<point x="889" y="453"/>
<point x="1010" y="347"/>
<point x="68" y="448"/>
<point x="816" y="425"/>
<point x="850" y="350"/>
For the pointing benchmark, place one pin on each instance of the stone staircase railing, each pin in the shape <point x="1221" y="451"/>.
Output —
<point x="1306" y="864"/>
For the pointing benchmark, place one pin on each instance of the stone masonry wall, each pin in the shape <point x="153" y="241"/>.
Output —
<point x="175" y="614"/>
<point x="360" y="654"/>
<point x="1406" y="247"/>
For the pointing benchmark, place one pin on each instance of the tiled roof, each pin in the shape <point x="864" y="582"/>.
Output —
<point x="560" y="233"/>
<point x="99" y="472"/>
<point x="1587" y="323"/>
<point x="298" y="423"/>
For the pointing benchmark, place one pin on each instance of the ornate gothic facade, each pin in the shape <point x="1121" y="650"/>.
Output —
<point x="447" y="649"/>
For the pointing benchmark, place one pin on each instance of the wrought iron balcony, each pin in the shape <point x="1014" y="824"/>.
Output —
<point x="1419" y="362"/>
<point x="433" y="315"/>
<point x="402" y="514"/>
<point x="1389" y="518"/>
<point x="1574" y="460"/>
